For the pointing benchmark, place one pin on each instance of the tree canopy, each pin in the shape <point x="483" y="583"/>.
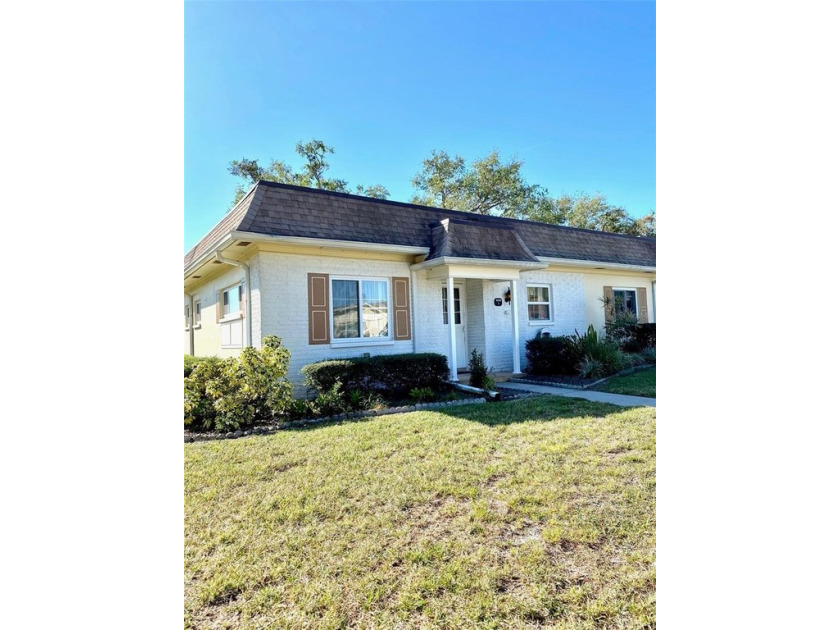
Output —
<point x="592" y="212"/>
<point x="488" y="185"/>
<point x="311" y="175"/>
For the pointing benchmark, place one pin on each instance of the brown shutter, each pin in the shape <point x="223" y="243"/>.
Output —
<point x="242" y="298"/>
<point x="641" y="304"/>
<point x="319" y="307"/>
<point x="609" y="304"/>
<point x="402" y="308"/>
<point x="218" y="306"/>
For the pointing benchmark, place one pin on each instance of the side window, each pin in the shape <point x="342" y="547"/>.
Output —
<point x="231" y="300"/>
<point x="539" y="302"/>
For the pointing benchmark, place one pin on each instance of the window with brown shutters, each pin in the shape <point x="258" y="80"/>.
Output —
<point x="319" y="308"/>
<point x="353" y="309"/>
<point x="402" y="308"/>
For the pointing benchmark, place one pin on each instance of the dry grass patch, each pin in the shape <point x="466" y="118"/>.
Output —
<point x="532" y="513"/>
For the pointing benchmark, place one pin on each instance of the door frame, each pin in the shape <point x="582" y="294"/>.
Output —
<point x="459" y="343"/>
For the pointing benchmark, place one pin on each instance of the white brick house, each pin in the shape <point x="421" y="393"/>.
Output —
<point x="337" y="275"/>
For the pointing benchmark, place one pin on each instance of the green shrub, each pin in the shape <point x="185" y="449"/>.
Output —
<point x="587" y="355"/>
<point x="190" y="362"/>
<point x="421" y="394"/>
<point x="552" y="355"/>
<point x="229" y="394"/>
<point x="649" y="355"/>
<point x="392" y="375"/>
<point x="300" y="408"/>
<point x="644" y="336"/>
<point x="478" y="369"/>
<point x="619" y="329"/>
<point x="631" y="336"/>
<point x="199" y="411"/>
<point x="591" y="368"/>
<point x="332" y="402"/>
<point x="636" y="359"/>
<point x="489" y="383"/>
<point x="598" y="357"/>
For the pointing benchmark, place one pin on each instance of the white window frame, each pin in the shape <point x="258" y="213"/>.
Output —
<point x="444" y="301"/>
<point x="197" y="315"/>
<point x="635" y="292"/>
<point x="362" y="341"/>
<point x="550" y="304"/>
<point x="187" y="317"/>
<point x="237" y="314"/>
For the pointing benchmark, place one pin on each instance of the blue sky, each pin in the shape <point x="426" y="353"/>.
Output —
<point x="567" y="87"/>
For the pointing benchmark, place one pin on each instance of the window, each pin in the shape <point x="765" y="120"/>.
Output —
<point x="359" y="308"/>
<point x="625" y="301"/>
<point x="539" y="303"/>
<point x="186" y="316"/>
<point x="456" y="295"/>
<point x="197" y="320"/>
<point x="231" y="300"/>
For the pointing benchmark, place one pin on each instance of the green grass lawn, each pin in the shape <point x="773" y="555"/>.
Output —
<point x="641" y="383"/>
<point x="522" y="514"/>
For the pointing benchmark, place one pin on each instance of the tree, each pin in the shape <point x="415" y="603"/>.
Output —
<point x="488" y="186"/>
<point x="592" y="212"/>
<point x="311" y="175"/>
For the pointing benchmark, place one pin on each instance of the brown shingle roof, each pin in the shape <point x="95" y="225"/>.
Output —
<point x="460" y="238"/>
<point x="231" y="221"/>
<point x="281" y="209"/>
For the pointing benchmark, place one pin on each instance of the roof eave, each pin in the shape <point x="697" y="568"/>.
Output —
<point x="412" y="250"/>
<point x="489" y="262"/>
<point x="571" y="262"/>
<point x="220" y="244"/>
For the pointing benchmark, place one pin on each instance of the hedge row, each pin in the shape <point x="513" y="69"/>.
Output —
<point x="393" y="374"/>
<point x="590" y="355"/>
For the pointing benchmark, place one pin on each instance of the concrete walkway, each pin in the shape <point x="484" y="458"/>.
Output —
<point x="616" y="399"/>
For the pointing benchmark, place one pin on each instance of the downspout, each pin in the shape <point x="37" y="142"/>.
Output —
<point x="247" y="269"/>
<point x="190" y="324"/>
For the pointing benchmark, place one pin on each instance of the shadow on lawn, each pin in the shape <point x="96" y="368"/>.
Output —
<point x="537" y="408"/>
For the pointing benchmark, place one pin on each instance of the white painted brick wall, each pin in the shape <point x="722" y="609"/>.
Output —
<point x="498" y="327"/>
<point x="429" y="331"/>
<point x="279" y="307"/>
<point x="567" y="303"/>
<point x="284" y="306"/>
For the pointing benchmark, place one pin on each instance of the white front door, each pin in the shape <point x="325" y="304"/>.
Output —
<point x="460" y="324"/>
